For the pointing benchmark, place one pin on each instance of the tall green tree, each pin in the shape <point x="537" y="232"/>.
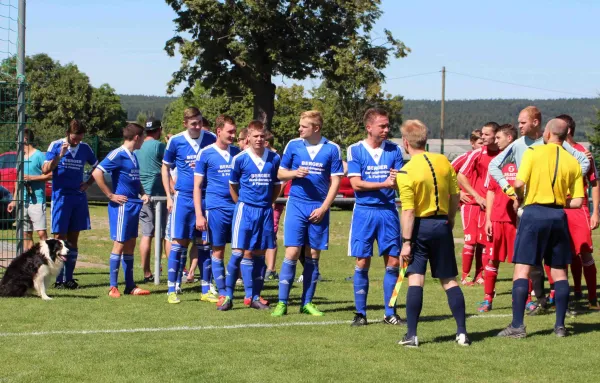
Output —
<point x="594" y="138"/>
<point x="235" y="44"/>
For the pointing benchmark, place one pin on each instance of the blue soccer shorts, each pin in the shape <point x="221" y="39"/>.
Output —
<point x="183" y="217"/>
<point x="432" y="241"/>
<point x="252" y="227"/>
<point x="124" y="220"/>
<point x="374" y="223"/>
<point x="70" y="213"/>
<point x="299" y="231"/>
<point x="219" y="226"/>
<point x="543" y="234"/>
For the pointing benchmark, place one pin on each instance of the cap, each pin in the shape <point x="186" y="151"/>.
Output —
<point x="152" y="124"/>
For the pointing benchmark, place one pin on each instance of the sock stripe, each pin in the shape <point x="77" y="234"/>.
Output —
<point x="290" y="262"/>
<point x="115" y="257"/>
<point x="356" y="268"/>
<point x="128" y="257"/>
<point x="588" y="264"/>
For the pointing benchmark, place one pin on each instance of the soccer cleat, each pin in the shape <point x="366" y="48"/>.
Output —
<point x="560" y="331"/>
<point x="512" y="332"/>
<point x="248" y="301"/>
<point x="213" y="290"/>
<point x="258" y="305"/>
<point x="224" y="303"/>
<point x="539" y="309"/>
<point x="114" y="292"/>
<point x="271" y="276"/>
<point x="577" y="296"/>
<point x="311" y="309"/>
<point x="394" y="320"/>
<point x="71" y="285"/>
<point x="479" y="281"/>
<point x="136" y="291"/>
<point x="463" y="340"/>
<point x="530" y="306"/>
<point x="300" y="279"/>
<point x="59" y="285"/>
<point x="485" y="306"/>
<point x="280" y="310"/>
<point x="551" y="302"/>
<point x="208" y="297"/>
<point x="410" y="342"/>
<point x="467" y="282"/>
<point x="172" y="298"/>
<point x="149" y="279"/>
<point x="359" y="320"/>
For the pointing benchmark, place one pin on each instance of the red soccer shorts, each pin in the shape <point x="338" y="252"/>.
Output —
<point x="470" y="222"/>
<point x="482" y="237"/>
<point x="503" y="241"/>
<point x="580" y="230"/>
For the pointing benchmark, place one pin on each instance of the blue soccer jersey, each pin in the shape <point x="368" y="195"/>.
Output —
<point x="215" y="166"/>
<point x="322" y="161"/>
<point x="181" y="153"/>
<point x="373" y="165"/>
<point x="256" y="177"/>
<point x="125" y="172"/>
<point x="68" y="175"/>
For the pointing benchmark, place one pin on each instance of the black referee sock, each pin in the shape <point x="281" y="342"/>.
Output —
<point x="561" y="297"/>
<point x="519" y="295"/>
<point x="414" y="304"/>
<point x="456" y="301"/>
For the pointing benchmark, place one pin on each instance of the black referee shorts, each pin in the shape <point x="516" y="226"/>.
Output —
<point x="433" y="242"/>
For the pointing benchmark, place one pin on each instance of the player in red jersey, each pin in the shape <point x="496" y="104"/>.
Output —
<point x="469" y="210"/>
<point x="501" y="221"/>
<point x="471" y="178"/>
<point x="581" y="225"/>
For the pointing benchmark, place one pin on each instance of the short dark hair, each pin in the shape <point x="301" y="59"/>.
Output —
<point x="132" y="130"/>
<point x="256" y="125"/>
<point x="475" y="135"/>
<point x="494" y="125"/>
<point x="222" y="120"/>
<point x="509" y="130"/>
<point x="270" y="138"/>
<point x="76" y="127"/>
<point x="570" y="123"/>
<point x="205" y="123"/>
<point x="28" y="135"/>
<point x="372" y="112"/>
<point x="191" y="112"/>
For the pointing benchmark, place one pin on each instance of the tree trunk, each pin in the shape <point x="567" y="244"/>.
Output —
<point x="264" y="102"/>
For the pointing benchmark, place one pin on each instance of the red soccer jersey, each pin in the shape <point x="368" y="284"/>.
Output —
<point x="590" y="176"/>
<point x="502" y="209"/>
<point x="475" y="169"/>
<point x="459" y="161"/>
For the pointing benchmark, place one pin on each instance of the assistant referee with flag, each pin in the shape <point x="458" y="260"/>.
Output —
<point x="429" y="194"/>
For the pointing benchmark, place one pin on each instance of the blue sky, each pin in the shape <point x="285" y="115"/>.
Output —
<point x="546" y="44"/>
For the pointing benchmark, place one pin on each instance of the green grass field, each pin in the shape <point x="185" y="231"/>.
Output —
<point x="84" y="335"/>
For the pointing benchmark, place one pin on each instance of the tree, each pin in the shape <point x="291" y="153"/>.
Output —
<point x="237" y="44"/>
<point x="594" y="138"/>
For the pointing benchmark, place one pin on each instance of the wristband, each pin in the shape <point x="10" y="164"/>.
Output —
<point x="405" y="240"/>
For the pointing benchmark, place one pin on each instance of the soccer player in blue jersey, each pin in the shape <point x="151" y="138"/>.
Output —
<point x="214" y="165"/>
<point x="254" y="187"/>
<point x="314" y="165"/>
<point x="126" y="199"/>
<point x="181" y="153"/>
<point x="66" y="159"/>
<point x="372" y="167"/>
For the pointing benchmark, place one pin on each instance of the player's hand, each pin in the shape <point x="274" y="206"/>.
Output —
<point x="317" y="215"/>
<point x="393" y="173"/>
<point x="145" y="199"/>
<point x="27" y="177"/>
<point x="594" y="221"/>
<point x="406" y="252"/>
<point x="589" y="155"/>
<point x="201" y="223"/>
<point x="465" y="197"/>
<point x="11" y="207"/>
<point x="117" y="198"/>
<point x="301" y="172"/>
<point x="510" y="192"/>
<point x="83" y="186"/>
<point x="390" y="182"/>
<point x="480" y="201"/>
<point x="169" y="204"/>
<point x="488" y="227"/>
<point x="64" y="149"/>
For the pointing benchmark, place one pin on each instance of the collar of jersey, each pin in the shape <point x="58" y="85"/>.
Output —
<point x="131" y="155"/>
<point x="194" y="143"/>
<point x="256" y="159"/>
<point x="72" y="150"/>
<point x="375" y="153"/>
<point x="226" y="154"/>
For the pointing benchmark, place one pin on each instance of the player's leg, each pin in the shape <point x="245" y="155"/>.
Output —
<point x="577" y="273"/>
<point x="179" y="244"/>
<point x="414" y="301"/>
<point x="27" y="229"/>
<point x="60" y="217"/>
<point x="130" y="233"/>
<point x="271" y="254"/>
<point x="589" y="272"/>
<point x="114" y="264"/>
<point x="79" y="221"/>
<point x="551" y="282"/>
<point x="360" y="246"/>
<point x="469" y="214"/>
<point x="388" y="241"/>
<point x="262" y="239"/>
<point x="497" y="252"/>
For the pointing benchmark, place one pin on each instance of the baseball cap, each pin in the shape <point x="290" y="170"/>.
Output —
<point x="152" y="124"/>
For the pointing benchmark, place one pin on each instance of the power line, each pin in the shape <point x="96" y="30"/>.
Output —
<point x="522" y="85"/>
<point x="412" y="75"/>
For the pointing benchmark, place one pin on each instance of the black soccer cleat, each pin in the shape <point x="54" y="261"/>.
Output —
<point x="71" y="285"/>
<point x="359" y="320"/>
<point x="561" y="331"/>
<point x="462" y="340"/>
<point x="512" y="332"/>
<point x="258" y="305"/>
<point x="59" y="285"/>
<point x="394" y="320"/>
<point x="410" y="342"/>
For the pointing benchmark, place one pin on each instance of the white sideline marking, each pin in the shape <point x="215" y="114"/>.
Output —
<point x="202" y="328"/>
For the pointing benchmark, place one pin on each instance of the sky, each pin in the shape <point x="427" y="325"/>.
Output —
<point x="551" y="45"/>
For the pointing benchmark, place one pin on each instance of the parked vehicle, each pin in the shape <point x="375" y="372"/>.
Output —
<point x="8" y="173"/>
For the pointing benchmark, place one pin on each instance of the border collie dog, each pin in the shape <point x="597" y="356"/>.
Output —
<point x="34" y="269"/>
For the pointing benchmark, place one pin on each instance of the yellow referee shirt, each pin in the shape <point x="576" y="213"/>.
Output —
<point x="426" y="183"/>
<point x="550" y="174"/>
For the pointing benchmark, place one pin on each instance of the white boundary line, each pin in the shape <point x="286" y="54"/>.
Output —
<point x="200" y="328"/>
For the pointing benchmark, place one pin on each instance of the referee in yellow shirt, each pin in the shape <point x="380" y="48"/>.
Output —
<point x="548" y="174"/>
<point x="429" y="194"/>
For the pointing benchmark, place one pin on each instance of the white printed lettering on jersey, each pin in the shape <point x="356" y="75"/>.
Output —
<point x="375" y="153"/>
<point x="72" y="164"/>
<point x="510" y="172"/>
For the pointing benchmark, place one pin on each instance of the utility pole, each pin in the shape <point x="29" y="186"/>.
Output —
<point x="442" y="112"/>
<point x="20" y="125"/>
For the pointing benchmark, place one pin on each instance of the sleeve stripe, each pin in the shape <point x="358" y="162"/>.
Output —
<point x="469" y="162"/>
<point x="167" y="163"/>
<point x="354" y="174"/>
<point x="233" y="183"/>
<point x="101" y="168"/>
<point x="337" y="174"/>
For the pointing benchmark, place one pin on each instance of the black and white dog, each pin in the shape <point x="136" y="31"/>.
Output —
<point x="34" y="269"/>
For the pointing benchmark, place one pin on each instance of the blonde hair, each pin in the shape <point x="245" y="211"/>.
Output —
<point x="534" y="113"/>
<point x="315" y="117"/>
<point x="415" y="132"/>
<point x="191" y="112"/>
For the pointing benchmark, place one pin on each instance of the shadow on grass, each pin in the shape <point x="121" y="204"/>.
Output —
<point x="93" y="273"/>
<point x="473" y="336"/>
<point x="76" y="296"/>
<point x="352" y="308"/>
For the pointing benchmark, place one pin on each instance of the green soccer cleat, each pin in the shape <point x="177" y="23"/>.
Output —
<point x="311" y="309"/>
<point x="208" y="297"/>
<point x="172" y="298"/>
<point x="280" y="310"/>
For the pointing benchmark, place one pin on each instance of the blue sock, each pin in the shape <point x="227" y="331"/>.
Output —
<point x="389" y="282"/>
<point x="173" y="266"/>
<point x="456" y="301"/>
<point x="182" y="263"/>
<point x="218" y="269"/>
<point x="561" y="299"/>
<point x="258" y="276"/>
<point x="233" y="267"/>
<point x="70" y="265"/>
<point x="247" y="266"/>
<point x="128" y="271"/>
<point x="286" y="278"/>
<point x="361" y="289"/>
<point x="309" y="293"/>
<point x="519" y="295"/>
<point x="205" y="265"/>
<point x="414" y="304"/>
<point x="309" y="268"/>
<point x="114" y="264"/>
